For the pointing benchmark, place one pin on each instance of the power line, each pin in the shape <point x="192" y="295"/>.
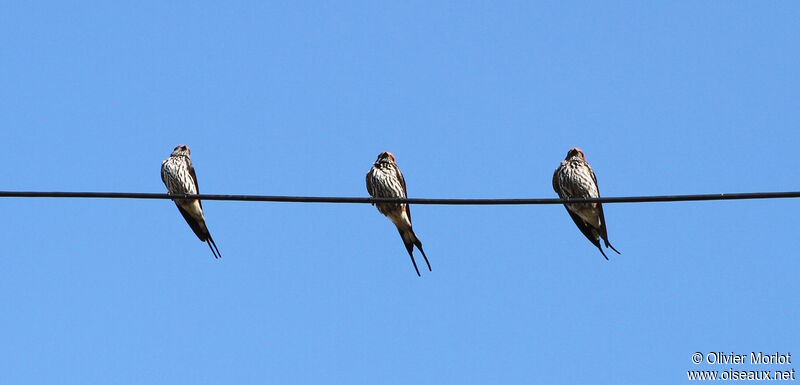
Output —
<point x="418" y="201"/>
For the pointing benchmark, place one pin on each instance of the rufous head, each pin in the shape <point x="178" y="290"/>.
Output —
<point x="575" y="151"/>
<point x="181" y="150"/>
<point x="385" y="157"/>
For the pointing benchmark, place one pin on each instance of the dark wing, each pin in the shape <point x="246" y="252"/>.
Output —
<point x="405" y="193"/>
<point x="602" y="230"/>
<point x="199" y="228"/>
<point x="587" y="231"/>
<point x="194" y="179"/>
<point x="163" y="174"/>
<point x="369" y="184"/>
<point x="555" y="182"/>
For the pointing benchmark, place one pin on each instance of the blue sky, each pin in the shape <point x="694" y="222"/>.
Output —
<point x="476" y="99"/>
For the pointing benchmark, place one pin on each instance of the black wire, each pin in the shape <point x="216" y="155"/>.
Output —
<point x="419" y="201"/>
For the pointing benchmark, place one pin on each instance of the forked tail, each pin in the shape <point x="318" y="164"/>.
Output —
<point x="410" y="240"/>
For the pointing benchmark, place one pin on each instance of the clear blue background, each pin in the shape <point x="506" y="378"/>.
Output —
<point x="476" y="99"/>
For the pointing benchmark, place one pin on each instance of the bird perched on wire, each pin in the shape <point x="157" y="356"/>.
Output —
<point x="178" y="175"/>
<point x="574" y="178"/>
<point x="385" y="180"/>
